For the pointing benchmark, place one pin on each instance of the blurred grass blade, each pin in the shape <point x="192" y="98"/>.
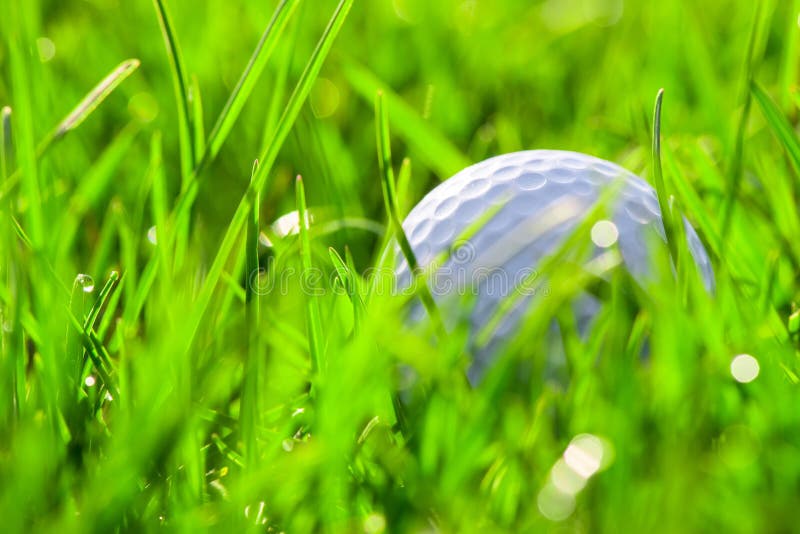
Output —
<point x="266" y="161"/>
<point x="198" y="117"/>
<point x="91" y="101"/>
<point x="436" y="151"/>
<point x="158" y="205"/>
<point x="755" y="46"/>
<point x="301" y="92"/>
<point x="227" y="452"/>
<point x="683" y="188"/>
<point x="384" y="141"/>
<point x="95" y="183"/>
<point x="5" y="143"/>
<point x="187" y="130"/>
<point x="279" y="87"/>
<point x="180" y="88"/>
<point x="24" y="132"/>
<point x="75" y="118"/>
<point x="347" y="277"/>
<point x="313" y="315"/>
<point x="779" y="125"/>
<point x="390" y="203"/>
<point x="252" y="72"/>
<point x="404" y="203"/>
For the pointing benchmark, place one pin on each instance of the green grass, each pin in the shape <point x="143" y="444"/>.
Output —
<point x="151" y="378"/>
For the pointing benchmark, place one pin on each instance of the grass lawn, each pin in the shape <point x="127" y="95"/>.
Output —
<point x="179" y="353"/>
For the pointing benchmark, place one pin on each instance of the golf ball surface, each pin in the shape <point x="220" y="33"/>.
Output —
<point x="524" y="205"/>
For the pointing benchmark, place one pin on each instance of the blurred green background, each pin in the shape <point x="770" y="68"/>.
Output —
<point x="490" y="77"/>
<point x="219" y="419"/>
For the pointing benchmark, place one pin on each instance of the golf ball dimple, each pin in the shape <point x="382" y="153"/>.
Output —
<point x="531" y="201"/>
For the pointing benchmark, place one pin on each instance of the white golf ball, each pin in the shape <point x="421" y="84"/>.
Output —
<point x="524" y="205"/>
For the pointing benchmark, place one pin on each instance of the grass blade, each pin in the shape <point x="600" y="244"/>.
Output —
<point x="74" y="346"/>
<point x="661" y="188"/>
<point x="198" y="117"/>
<point x="24" y="132"/>
<point x="102" y="297"/>
<point x="779" y="124"/>
<point x="390" y="202"/>
<point x="95" y="183"/>
<point x="270" y="153"/>
<point x="347" y="277"/>
<point x="180" y="87"/>
<point x="77" y="116"/>
<point x="5" y="142"/>
<point x="91" y="101"/>
<point x="313" y="312"/>
<point x="736" y="170"/>
<point x="436" y="151"/>
<point x="279" y="86"/>
<point x="250" y="411"/>
<point x="790" y="66"/>
<point x="252" y="72"/>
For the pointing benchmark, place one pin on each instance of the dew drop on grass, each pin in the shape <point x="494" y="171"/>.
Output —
<point x="90" y="381"/>
<point x="152" y="236"/>
<point x="86" y="282"/>
<point x="264" y="240"/>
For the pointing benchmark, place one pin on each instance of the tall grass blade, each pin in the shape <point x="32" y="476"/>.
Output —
<point x="735" y="171"/>
<point x="252" y="72"/>
<point x="250" y="411"/>
<point x="661" y="188"/>
<point x="390" y="202"/>
<point x="779" y="125"/>
<point x="95" y="184"/>
<point x="266" y="161"/>
<point x="180" y="88"/>
<point x="285" y="61"/>
<point x="313" y="315"/>
<point x="24" y="132"/>
<point x="198" y="117"/>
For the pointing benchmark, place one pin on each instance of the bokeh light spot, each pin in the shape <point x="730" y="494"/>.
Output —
<point x="143" y="107"/>
<point x="744" y="368"/>
<point x="47" y="49"/>
<point x="554" y="504"/>
<point x="324" y="98"/>
<point x="604" y="233"/>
